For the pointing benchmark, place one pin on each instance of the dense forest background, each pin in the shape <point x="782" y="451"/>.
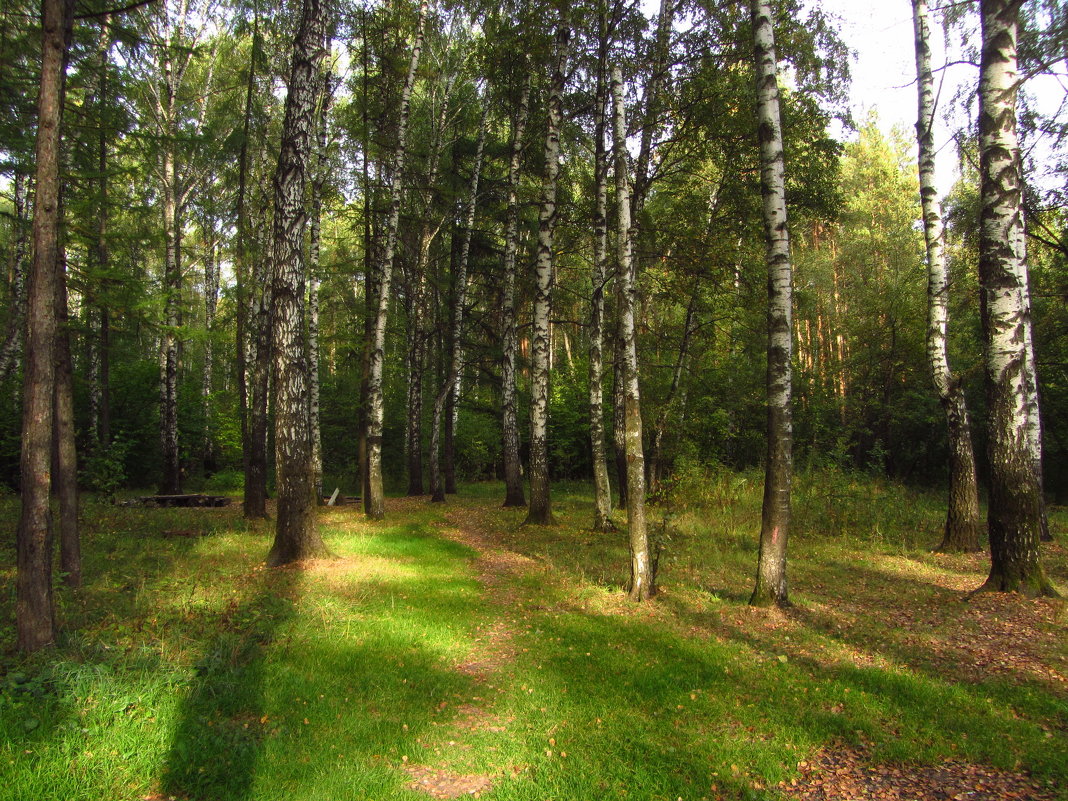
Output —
<point x="173" y="115"/>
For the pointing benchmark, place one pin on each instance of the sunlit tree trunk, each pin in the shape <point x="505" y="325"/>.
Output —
<point x="963" y="522"/>
<point x="1015" y="508"/>
<point x="771" y="586"/>
<point x="34" y="607"/>
<point x="642" y="569"/>
<point x="437" y="488"/>
<point x="540" y="509"/>
<point x="296" y="533"/>
<point x="374" y="500"/>
<point x="513" y="480"/>
<point x="602" y="511"/>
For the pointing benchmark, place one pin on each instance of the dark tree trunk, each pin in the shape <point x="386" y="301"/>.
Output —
<point x="64" y="452"/>
<point x="11" y="349"/>
<point x="34" y="608"/>
<point x="296" y="533"/>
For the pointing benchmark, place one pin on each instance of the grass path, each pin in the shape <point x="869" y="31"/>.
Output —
<point x="448" y="652"/>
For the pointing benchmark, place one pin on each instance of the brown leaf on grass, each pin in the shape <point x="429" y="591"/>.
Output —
<point x="445" y="785"/>
<point x="844" y="773"/>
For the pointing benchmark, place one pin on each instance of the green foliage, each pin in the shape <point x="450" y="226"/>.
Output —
<point x="103" y="469"/>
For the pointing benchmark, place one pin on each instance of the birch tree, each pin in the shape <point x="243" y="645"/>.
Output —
<point x="1015" y="506"/>
<point x="642" y="570"/>
<point x="513" y="481"/>
<point x="540" y="509"/>
<point x="602" y="513"/>
<point x="963" y="525"/>
<point x="374" y="502"/>
<point x="437" y="487"/>
<point x="771" y="586"/>
<point x="296" y="533"/>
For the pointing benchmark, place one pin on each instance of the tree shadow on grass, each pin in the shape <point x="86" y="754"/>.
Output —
<point x="218" y="738"/>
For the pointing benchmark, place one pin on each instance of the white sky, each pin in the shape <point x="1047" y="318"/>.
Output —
<point x="884" y="71"/>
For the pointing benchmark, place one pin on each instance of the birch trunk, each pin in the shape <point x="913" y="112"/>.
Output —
<point x="513" y="480"/>
<point x="296" y="533"/>
<point x="241" y="274"/>
<point x="1015" y="508"/>
<point x="211" y="304"/>
<point x="34" y="607"/>
<point x="437" y="490"/>
<point x="374" y="501"/>
<point x="540" y="509"/>
<point x="171" y="483"/>
<point x="642" y="568"/>
<point x="963" y="523"/>
<point x="602" y="511"/>
<point x="314" y="257"/>
<point x="771" y="587"/>
<point x="255" y="505"/>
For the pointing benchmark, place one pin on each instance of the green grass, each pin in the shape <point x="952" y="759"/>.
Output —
<point x="187" y="670"/>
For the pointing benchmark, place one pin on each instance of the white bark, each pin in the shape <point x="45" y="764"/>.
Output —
<point x="374" y="502"/>
<point x="775" y="518"/>
<point x="642" y="571"/>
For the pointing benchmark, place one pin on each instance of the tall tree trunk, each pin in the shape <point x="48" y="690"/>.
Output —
<point x="296" y="533"/>
<point x="11" y="349"/>
<point x="34" y="607"/>
<point x="260" y="317"/>
<point x="1015" y="509"/>
<point x="100" y="395"/>
<point x="171" y="483"/>
<point x="513" y="479"/>
<point x="963" y="522"/>
<point x="211" y="303"/>
<point x="619" y="399"/>
<point x="771" y="588"/>
<point x="540" y="509"/>
<point x="64" y="452"/>
<point x="602" y="510"/>
<point x="374" y="499"/>
<point x="314" y="256"/>
<point x="252" y="507"/>
<point x="642" y="567"/>
<point x="437" y="489"/>
<point x="417" y="299"/>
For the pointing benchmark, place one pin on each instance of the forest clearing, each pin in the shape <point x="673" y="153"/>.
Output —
<point x="451" y="651"/>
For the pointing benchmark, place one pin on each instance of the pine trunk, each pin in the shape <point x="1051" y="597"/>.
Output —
<point x="34" y="607"/>
<point x="296" y="532"/>
<point x="64" y="451"/>
<point x="540" y="509"/>
<point x="963" y="523"/>
<point x="374" y="499"/>
<point x="1015" y="508"/>
<point x="771" y="587"/>
<point x="513" y="479"/>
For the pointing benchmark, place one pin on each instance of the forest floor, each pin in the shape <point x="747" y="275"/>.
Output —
<point x="449" y="651"/>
